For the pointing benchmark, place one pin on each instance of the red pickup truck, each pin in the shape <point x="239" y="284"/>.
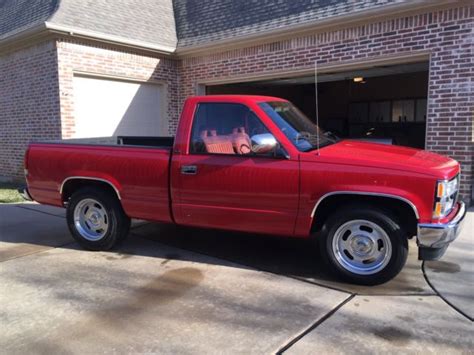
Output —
<point x="257" y="164"/>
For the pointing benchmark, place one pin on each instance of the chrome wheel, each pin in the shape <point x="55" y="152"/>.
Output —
<point x="90" y="219"/>
<point x="362" y="247"/>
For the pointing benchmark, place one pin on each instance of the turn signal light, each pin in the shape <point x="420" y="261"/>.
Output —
<point x="438" y="209"/>
<point x="441" y="190"/>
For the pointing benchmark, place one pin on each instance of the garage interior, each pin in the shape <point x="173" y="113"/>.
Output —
<point x="385" y="104"/>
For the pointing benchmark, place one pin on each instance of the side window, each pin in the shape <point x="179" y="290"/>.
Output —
<point x="224" y="128"/>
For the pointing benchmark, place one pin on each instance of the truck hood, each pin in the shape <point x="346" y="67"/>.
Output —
<point x="359" y="153"/>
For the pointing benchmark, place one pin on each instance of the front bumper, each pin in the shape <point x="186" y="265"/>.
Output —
<point x="433" y="239"/>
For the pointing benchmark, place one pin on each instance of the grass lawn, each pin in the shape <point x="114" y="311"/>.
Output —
<point x="8" y="193"/>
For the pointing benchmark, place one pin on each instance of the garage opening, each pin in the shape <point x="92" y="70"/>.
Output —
<point x="385" y="104"/>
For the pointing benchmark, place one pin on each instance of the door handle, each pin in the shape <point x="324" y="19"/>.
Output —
<point x="189" y="170"/>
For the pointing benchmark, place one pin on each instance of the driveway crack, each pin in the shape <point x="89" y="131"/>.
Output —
<point x="43" y="212"/>
<point x="441" y="296"/>
<point x="47" y="248"/>
<point x="313" y="326"/>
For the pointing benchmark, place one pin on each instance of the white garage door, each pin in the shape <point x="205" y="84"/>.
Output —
<point x="106" y="107"/>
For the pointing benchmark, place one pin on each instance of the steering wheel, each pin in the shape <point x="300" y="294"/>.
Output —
<point x="303" y="135"/>
<point x="244" y="146"/>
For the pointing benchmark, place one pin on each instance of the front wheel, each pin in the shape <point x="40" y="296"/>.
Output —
<point x="96" y="219"/>
<point x="364" y="245"/>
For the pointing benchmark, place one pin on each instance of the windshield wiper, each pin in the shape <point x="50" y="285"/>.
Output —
<point x="330" y="135"/>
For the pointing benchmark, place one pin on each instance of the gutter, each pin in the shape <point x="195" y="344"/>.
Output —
<point x="47" y="28"/>
<point x="31" y="32"/>
<point x="80" y="33"/>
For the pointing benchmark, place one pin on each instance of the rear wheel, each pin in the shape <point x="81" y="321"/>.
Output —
<point x="96" y="219"/>
<point x="364" y="245"/>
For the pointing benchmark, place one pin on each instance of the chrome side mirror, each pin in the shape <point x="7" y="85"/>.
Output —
<point x="263" y="143"/>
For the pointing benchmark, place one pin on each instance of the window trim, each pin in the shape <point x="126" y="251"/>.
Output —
<point x="249" y="156"/>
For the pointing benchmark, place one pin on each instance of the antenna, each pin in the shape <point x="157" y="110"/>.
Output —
<point x="316" y="102"/>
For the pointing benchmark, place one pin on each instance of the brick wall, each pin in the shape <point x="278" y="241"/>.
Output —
<point x="446" y="35"/>
<point x="29" y="102"/>
<point x="75" y="56"/>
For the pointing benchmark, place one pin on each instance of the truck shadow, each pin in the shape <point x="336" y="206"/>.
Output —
<point x="290" y="257"/>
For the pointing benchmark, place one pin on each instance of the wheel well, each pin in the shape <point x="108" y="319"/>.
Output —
<point x="72" y="185"/>
<point x="401" y="209"/>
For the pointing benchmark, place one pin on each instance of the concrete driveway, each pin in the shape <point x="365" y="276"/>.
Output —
<point x="182" y="290"/>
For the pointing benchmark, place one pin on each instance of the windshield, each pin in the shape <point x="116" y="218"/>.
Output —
<point x="296" y="126"/>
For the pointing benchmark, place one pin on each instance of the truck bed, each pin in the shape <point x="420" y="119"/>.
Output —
<point x="137" y="168"/>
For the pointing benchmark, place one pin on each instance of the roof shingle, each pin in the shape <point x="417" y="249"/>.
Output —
<point x="203" y="21"/>
<point x="19" y="15"/>
<point x="175" y="23"/>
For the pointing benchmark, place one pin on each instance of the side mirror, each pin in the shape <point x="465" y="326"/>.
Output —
<point x="263" y="143"/>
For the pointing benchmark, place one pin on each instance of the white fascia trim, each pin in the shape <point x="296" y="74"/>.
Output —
<point x="76" y="32"/>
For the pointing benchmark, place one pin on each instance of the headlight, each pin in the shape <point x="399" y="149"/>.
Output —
<point x="446" y="193"/>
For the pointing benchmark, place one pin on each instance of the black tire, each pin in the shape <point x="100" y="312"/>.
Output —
<point x="118" y="223"/>
<point x="379" y="218"/>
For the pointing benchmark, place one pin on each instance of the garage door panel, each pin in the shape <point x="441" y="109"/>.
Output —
<point x="105" y="107"/>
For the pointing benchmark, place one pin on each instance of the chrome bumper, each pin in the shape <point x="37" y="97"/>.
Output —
<point x="433" y="239"/>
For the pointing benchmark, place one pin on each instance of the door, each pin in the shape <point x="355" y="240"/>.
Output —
<point x="223" y="184"/>
<point x="107" y="107"/>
